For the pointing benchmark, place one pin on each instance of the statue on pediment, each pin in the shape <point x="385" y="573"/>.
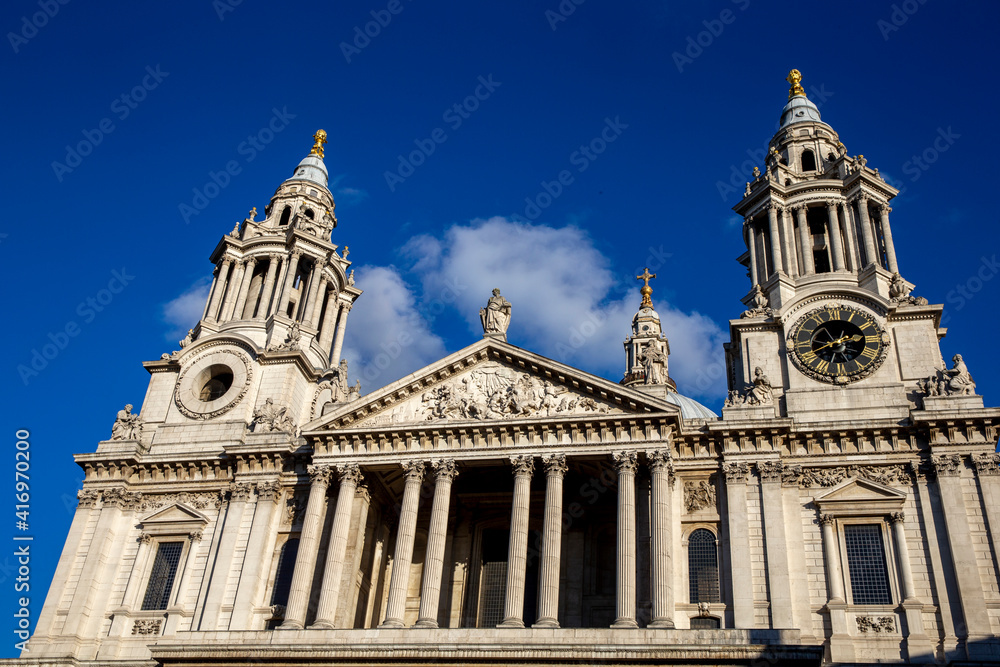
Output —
<point x="496" y="315"/>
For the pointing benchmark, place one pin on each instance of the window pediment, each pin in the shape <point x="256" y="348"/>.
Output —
<point x="860" y="497"/>
<point x="176" y="519"/>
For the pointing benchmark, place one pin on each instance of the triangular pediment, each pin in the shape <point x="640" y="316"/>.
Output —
<point x="491" y="381"/>
<point x="860" y="496"/>
<point x="174" y="514"/>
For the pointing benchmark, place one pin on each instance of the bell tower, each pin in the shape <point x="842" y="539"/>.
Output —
<point x="830" y="324"/>
<point x="265" y="355"/>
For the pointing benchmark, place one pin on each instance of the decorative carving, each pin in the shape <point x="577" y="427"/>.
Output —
<point x="899" y="292"/>
<point x="241" y="491"/>
<point x="295" y="509"/>
<point x="444" y="469"/>
<point x="496" y="315"/>
<point x="291" y="342"/>
<point x="277" y="612"/>
<point x="826" y="520"/>
<point x="699" y="495"/>
<point x="144" y="538"/>
<point x="704" y="609"/>
<point x="876" y="624"/>
<point x="757" y="394"/>
<point x="897" y="517"/>
<point x="196" y="500"/>
<point x="826" y="477"/>
<point x="321" y="475"/>
<point x="349" y="473"/>
<point x="87" y="498"/>
<point x="555" y="464"/>
<point x="122" y="499"/>
<point x="756" y="172"/>
<point x="735" y="472"/>
<point x="770" y="471"/>
<point x="184" y="342"/>
<point x="195" y="536"/>
<point x="146" y="626"/>
<point x="660" y="460"/>
<point x="653" y="362"/>
<point x="196" y="366"/>
<point x="127" y="426"/>
<point x="625" y="462"/>
<point x="523" y="466"/>
<point x="269" y="418"/>
<point x="269" y="490"/>
<point x="761" y="305"/>
<point x="954" y="381"/>
<point x="413" y="470"/>
<point x="986" y="464"/>
<point x="350" y="283"/>
<point x="948" y="465"/>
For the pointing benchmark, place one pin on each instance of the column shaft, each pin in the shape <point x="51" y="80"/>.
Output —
<point x="289" y="283"/>
<point x="329" y="320"/>
<point x="244" y="289"/>
<point x="233" y="290"/>
<point x="326" y="609"/>
<point x="836" y="242"/>
<point x="268" y="288"/>
<point x="752" y="247"/>
<point x="850" y="240"/>
<point x="871" y="255"/>
<point x="338" y="341"/>
<point x="788" y="236"/>
<point x="430" y="593"/>
<point x="517" y="553"/>
<point x="315" y="305"/>
<point x="400" y="581"/>
<point x="548" y="595"/>
<point x="305" y="561"/>
<point x="778" y="573"/>
<point x="253" y="576"/>
<point x="220" y="289"/>
<point x="805" y="242"/>
<point x="831" y="557"/>
<point x="223" y="562"/>
<point x="662" y="571"/>
<point x="625" y="463"/>
<point x="739" y="544"/>
<point x="772" y="219"/>
<point x="890" y="249"/>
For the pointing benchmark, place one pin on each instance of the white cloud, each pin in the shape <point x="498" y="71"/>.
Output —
<point x="387" y="337"/>
<point x="564" y="296"/>
<point x="184" y="312"/>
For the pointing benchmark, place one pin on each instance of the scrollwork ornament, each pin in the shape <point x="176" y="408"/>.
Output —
<point x="87" y="498"/>
<point x="897" y="517"/>
<point x="770" y="471"/>
<point x="986" y="464"/>
<point x="349" y="473"/>
<point x="948" y="465"/>
<point x="660" y="460"/>
<point x="144" y="538"/>
<point x="523" y="466"/>
<point x="269" y="491"/>
<point x="625" y="462"/>
<point x="555" y="465"/>
<point x="195" y="536"/>
<point x="241" y="491"/>
<point x="414" y="470"/>
<point x="826" y="520"/>
<point x="444" y="469"/>
<point x="735" y="472"/>
<point x="320" y="474"/>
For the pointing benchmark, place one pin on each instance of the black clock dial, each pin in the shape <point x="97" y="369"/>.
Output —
<point x="838" y="344"/>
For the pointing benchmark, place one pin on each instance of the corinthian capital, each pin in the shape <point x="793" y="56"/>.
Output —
<point x="555" y="464"/>
<point x="736" y="473"/>
<point x="320" y="475"/>
<point x="524" y="466"/>
<point x="414" y="470"/>
<point x="625" y="462"/>
<point x="444" y="469"/>
<point x="349" y="474"/>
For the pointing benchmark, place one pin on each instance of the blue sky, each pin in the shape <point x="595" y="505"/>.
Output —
<point x="121" y="117"/>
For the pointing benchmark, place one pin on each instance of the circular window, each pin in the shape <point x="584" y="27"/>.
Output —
<point x="219" y="381"/>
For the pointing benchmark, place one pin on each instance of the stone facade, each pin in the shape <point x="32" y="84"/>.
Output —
<point x="498" y="507"/>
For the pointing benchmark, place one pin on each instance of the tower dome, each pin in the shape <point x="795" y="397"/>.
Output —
<point x="311" y="168"/>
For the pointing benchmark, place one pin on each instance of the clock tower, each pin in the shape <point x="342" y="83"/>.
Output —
<point x="830" y="327"/>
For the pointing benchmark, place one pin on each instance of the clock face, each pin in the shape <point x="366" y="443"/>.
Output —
<point x="838" y="344"/>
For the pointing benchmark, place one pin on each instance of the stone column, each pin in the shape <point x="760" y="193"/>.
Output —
<point x="662" y="571"/>
<point x="625" y="464"/>
<point x="286" y="289"/>
<point x="739" y="544"/>
<point x="778" y="572"/>
<point x="233" y="291"/>
<point x="220" y="289"/>
<point x="241" y="301"/>
<point x="772" y="219"/>
<point x="330" y="321"/>
<point x="917" y="641"/>
<point x="949" y="468"/>
<point x="315" y="299"/>
<point x="517" y="553"/>
<point x="788" y="234"/>
<point x="850" y="240"/>
<point x="805" y="241"/>
<point x="223" y="561"/>
<point x="266" y="292"/>
<point x="308" y="302"/>
<point x="400" y="581"/>
<point x="871" y="254"/>
<point x="752" y="247"/>
<point x="836" y="241"/>
<point x="890" y="249"/>
<point x="903" y="555"/>
<point x="349" y="476"/>
<point x="338" y="341"/>
<point x="831" y="558"/>
<point x="253" y="576"/>
<point x="305" y="561"/>
<point x="430" y="592"/>
<point x="548" y="596"/>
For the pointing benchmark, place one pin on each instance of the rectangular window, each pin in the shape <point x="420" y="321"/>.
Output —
<point x="161" y="579"/>
<point x="866" y="564"/>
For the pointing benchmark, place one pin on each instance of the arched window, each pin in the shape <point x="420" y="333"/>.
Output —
<point x="808" y="160"/>
<point x="703" y="567"/>
<point x="285" y="215"/>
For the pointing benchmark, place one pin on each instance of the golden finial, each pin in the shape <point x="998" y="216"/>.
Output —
<point x="795" y="78"/>
<point x="646" y="290"/>
<point x="320" y="139"/>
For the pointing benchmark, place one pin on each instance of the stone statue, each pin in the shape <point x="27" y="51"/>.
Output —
<point x="127" y="426"/>
<point x="269" y="417"/>
<point x="746" y="193"/>
<point x="236" y="231"/>
<point x="734" y="399"/>
<point x="184" y="342"/>
<point x="760" y="393"/>
<point x="899" y="292"/>
<point x="496" y="315"/>
<point x="756" y="172"/>
<point x="653" y="362"/>
<point x="341" y="390"/>
<point x="960" y="380"/>
<point x="350" y="278"/>
<point x="347" y="251"/>
<point x="355" y="392"/>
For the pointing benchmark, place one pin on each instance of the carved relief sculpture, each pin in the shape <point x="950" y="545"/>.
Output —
<point x="699" y="495"/>
<point x="269" y="417"/>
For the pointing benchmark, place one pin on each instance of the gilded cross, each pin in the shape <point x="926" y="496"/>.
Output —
<point x="646" y="275"/>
